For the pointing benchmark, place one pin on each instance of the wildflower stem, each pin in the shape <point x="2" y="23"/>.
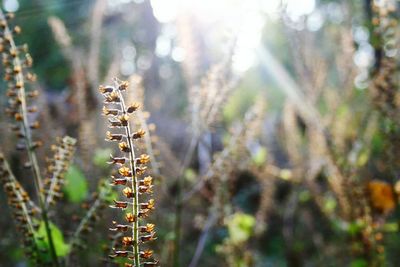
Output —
<point x="134" y="186"/>
<point x="178" y="201"/>
<point x="12" y="181"/>
<point x="19" y="78"/>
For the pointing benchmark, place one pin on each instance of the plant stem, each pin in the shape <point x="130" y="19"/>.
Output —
<point x="29" y="144"/>
<point x="211" y="220"/>
<point x="178" y="200"/>
<point x="13" y="182"/>
<point x="134" y="187"/>
<point x="177" y="229"/>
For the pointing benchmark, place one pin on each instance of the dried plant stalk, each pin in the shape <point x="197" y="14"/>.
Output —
<point x="136" y="83"/>
<point x="99" y="202"/>
<point x="16" y="62"/>
<point x="130" y="168"/>
<point x="384" y="81"/>
<point x="63" y="155"/>
<point x="23" y="209"/>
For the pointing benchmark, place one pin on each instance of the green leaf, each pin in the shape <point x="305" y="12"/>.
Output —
<point x="377" y="143"/>
<point x="75" y="187"/>
<point x="391" y="227"/>
<point x="304" y="196"/>
<point x="359" y="263"/>
<point x="342" y="111"/>
<point x="190" y="175"/>
<point x="363" y="158"/>
<point x="16" y="254"/>
<point x="285" y="174"/>
<point x="62" y="249"/>
<point x="329" y="204"/>
<point x="260" y="157"/>
<point x="101" y="156"/>
<point x="106" y="191"/>
<point x="354" y="228"/>
<point x="240" y="227"/>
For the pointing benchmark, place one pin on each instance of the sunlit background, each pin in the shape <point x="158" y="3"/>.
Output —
<point x="246" y="23"/>
<point x="307" y="70"/>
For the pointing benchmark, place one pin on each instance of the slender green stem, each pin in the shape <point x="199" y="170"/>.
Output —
<point x="134" y="186"/>
<point x="13" y="181"/>
<point x="178" y="225"/>
<point x="29" y="144"/>
<point x="178" y="201"/>
<point x="84" y="222"/>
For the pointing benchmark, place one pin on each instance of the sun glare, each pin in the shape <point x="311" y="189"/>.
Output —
<point x="243" y="19"/>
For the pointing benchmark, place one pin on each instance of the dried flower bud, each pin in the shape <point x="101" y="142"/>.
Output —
<point x="130" y="217"/>
<point x="106" y="89"/>
<point x="17" y="69"/>
<point x="123" y="85"/>
<point x="149" y="205"/>
<point x="18" y="117"/>
<point x="119" y="253"/>
<point x="147" y="181"/>
<point x="20" y="134"/>
<point x="11" y="93"/>
<point x="107" y="111"/>
<point x="128" y="192"/>
<point x="146" y="238"/>
<point x="145" y="189"/>
<point x="127" y="241"/>
<point x="147" y="254"/>
<point x="148" y="228"/>
<point x="143" y="159"/>
<point x="143" y="213"/>
<point x="13" y="52"/>
<point x="33" y="94"/>
<point x="112" y="97"/>
<point x="18" y="85"/>
<point x="35" y="125"/>
<point x="132" y="108"/>
<point x="123" y="146"/>
<point x="141" y="170"/>
<point x="119" y="227"/>
<point x="114" y="124"/>
<point x="32" y="109"/>
<point x="139" y="134"/>
<point x="125" y="171"/>
<point x="113" y="137"/>
<point x="151" y="264"/>
<point x="115" y="160"/>
<point x="124" y="119"/>
<point x="36" y="144"/>
<point x="119" y="181"/>
<point x="120" y="204"/>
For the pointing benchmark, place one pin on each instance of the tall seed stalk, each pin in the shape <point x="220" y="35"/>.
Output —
<point x="130" y="168"/>
<point x="15" y="74"/>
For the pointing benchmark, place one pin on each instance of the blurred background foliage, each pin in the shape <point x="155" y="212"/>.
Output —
<point x="297" y="164"/>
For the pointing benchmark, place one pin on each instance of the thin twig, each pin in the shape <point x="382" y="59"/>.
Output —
<point x="211" y="220"/>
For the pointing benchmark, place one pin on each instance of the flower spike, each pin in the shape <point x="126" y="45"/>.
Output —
<point x="130" y="170"/>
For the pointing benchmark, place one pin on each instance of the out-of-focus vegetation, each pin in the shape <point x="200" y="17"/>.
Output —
<point x="272" y="130"/>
